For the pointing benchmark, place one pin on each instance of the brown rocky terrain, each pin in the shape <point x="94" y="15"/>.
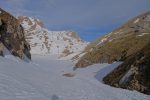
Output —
<point x="12" y="36"/>
<point x="134" y="73"/>
<point x="120" y="44"/>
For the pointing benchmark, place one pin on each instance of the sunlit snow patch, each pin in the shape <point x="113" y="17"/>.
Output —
<point x="106" y="70"/>
<point x="142" y="34"/>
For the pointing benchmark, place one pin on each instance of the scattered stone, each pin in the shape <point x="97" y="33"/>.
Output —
<point x="69" y="75"/>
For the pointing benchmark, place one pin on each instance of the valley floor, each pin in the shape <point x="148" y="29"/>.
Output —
<point x="43" y="79"/>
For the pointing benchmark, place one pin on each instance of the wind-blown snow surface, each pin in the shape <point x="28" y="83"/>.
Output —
<point x="43" y="79"/>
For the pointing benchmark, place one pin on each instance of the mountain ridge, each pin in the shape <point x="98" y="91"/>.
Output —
<point x="130" y="44"/>
<point x="118" y="44"/>
<point x="43" y="41"/>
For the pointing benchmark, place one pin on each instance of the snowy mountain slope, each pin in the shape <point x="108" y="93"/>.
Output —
<point x="44" y="80"/>
<point x="43" y="41"/>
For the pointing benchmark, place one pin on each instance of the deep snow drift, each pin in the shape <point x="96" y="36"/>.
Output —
<point x="43" y="79"/>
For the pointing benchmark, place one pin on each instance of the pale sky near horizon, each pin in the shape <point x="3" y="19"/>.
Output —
<point x="89" y="18"/>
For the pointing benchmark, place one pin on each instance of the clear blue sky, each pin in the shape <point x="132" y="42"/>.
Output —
<point x="90" y="18"/>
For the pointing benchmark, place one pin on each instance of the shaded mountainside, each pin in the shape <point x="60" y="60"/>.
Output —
<point x="134" y="73"/>
<point x="119" y="44"/>
<point x="43" y="41"/>
<point x="12" y="36"/>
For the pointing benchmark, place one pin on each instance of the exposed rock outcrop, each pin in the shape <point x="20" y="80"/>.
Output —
<point x="120" y="43"/>
<point x="12" y="36"/>
<point x="134" y="73"/>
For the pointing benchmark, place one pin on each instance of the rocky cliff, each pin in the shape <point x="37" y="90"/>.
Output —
<point x="134" y="73"/>
<point x="12" y="36"/>
<point x="119" y="44"/>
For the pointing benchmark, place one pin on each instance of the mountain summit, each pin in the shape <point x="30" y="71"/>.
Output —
<point x="43" y="41"/>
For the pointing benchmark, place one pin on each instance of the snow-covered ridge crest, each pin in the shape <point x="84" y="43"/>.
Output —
<point x="43" y="41"/>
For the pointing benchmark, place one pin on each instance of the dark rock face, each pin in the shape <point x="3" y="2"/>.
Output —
<point x="12" y="36"/>
<point x="134" y="73"/>
<point x="120" y="43"/>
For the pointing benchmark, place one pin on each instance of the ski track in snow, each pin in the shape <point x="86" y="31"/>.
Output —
<point x="43" y="79"/>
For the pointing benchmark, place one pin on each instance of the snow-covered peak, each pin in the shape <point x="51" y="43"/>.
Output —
<point x="44" y="41"/>
<point x="30" y="23"/>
